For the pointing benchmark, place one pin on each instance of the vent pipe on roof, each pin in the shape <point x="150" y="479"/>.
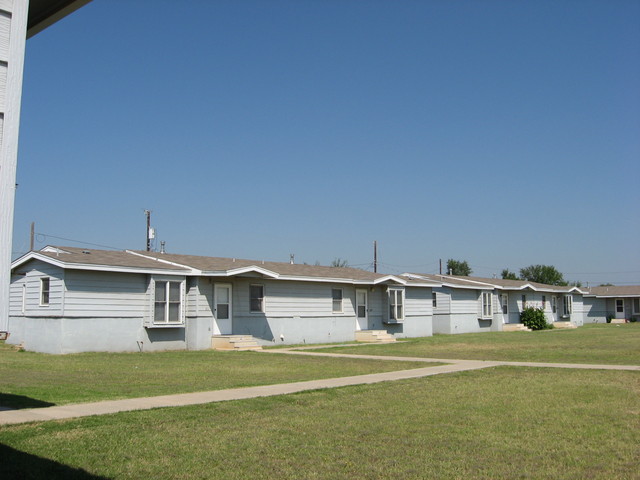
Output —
<point x="162" y="244"/>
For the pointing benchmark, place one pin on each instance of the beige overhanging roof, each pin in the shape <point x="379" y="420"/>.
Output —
<point x="43" y="13"/>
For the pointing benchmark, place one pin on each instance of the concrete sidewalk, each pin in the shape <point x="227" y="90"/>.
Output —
<point x="10" y="417"/>
<point x="115" y="406"/>
<point x="493" y="363"/>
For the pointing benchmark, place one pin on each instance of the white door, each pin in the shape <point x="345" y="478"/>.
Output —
<point x="222" y="313"/>
<point x="620" y="308"/>
<point x="504" y="306"/>
<point x="362" y="318"/>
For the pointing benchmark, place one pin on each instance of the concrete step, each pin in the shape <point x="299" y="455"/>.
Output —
<point x="374" y="336"/>
<point x="564" y="325"/>
<point x="514" y="327"/>
<point x="234" y="342"/>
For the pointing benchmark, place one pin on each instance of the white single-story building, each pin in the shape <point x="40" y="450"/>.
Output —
<point x="475" y="304"/>
<point x="612" y="302"/>
<point x="67" y="299"/>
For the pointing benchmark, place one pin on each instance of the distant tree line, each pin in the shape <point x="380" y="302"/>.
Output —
<point x="547" y="274"/>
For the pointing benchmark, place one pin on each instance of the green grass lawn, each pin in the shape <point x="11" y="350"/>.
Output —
<point x="30" y="379"/>
<point x="505" y="422"/>
<point x="595" y="344"/>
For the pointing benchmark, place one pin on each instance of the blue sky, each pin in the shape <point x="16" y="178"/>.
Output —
<point x="504" y="133"/>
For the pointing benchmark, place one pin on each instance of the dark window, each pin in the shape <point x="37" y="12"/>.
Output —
<point x="45" y="286"/>
<point x="336" y="295"/>
<point x="256" y="294"/>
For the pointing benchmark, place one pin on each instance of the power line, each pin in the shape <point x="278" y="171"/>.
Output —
<point x="408" y="266"/>
<point x="601" y="273"/>
<point x="46" y="235"/>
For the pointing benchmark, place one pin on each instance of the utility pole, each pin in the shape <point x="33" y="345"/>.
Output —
<point x="148" y="215"/>
<point x="32" y="236"/>
<point x="375" y="256"/>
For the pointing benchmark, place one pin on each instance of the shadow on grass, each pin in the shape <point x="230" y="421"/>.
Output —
<point x="21" y="465"/>
<point x="20" y="401"/>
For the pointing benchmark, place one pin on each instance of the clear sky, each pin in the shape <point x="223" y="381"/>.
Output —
<point x="504" y="133"/>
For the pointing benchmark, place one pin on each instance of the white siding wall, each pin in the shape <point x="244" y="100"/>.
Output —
<point x="459" y="310"/>
<point x="594" y="310"/>
<point x="443" y="300"/>
<point x="464" y="301"/>
<point x="105" y="294"/>
<point x="418" y="302"/>
<point x="201" y="299"/>
<point x="30" y="274"/>
<point x="287" y="299"/>
<point x="577" y="315"/>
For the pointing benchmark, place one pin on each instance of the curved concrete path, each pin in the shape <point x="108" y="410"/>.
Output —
<point x="10" y="417"/>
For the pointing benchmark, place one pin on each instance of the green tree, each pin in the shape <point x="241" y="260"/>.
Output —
<point x="338" y="262"/>
<point x="458" y="267"/>
<point x="547" y="274"/>
<point x="509" y="275"/>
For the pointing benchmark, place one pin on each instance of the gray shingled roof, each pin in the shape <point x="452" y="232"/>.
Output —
<point x="520" y="283"/>
<point x="615" y="291"/>
<point x="207" y="265"/>
<point x="107" y="258"/>
<point x="481" y="282"/>
<point x="221" y="264"/>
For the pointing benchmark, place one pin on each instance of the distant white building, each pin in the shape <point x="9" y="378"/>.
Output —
<point x="476" y="304"/>
<point x="612" y="302"/>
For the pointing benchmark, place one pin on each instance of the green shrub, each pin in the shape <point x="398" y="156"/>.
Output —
<point x="609" y="318"/>
<point x="534" y="319"/>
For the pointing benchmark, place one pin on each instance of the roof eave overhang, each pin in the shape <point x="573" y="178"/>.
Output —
<point x="89" y="266"/>
<point x="44" y="13"/>
<point x="389" y="278"/>
<point x="252" y="269"/>
<point x="628" y="295"/>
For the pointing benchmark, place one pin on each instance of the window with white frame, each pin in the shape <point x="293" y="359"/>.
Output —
<point x="487" y="307"/>
<point x="45" y="291"/>
<point x="396" y="304"/>
<point x="336" y="295"/>
<point x="554" y="304"/>
<point x="168" y="303"/>
<point x="524" y="302"/>
<point x="636" y="306"/>
<point x="505" y="303"/>
<point x="256" y="298"/>
<point x="544" y="302"/>
<point x="434" y="299"/>
<point x="567" y="304"/>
